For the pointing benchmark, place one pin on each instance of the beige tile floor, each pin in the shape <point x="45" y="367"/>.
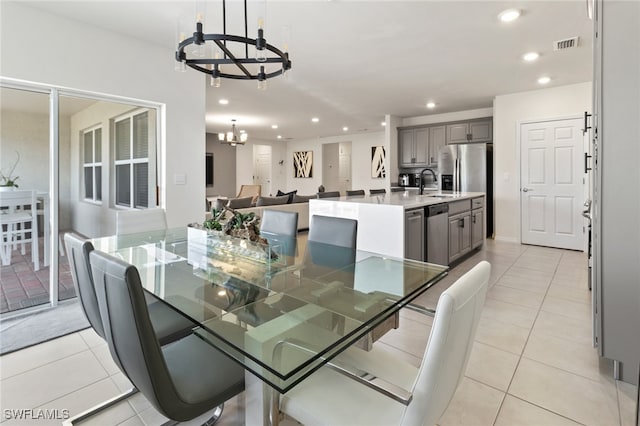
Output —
<point x="532" y="362"/>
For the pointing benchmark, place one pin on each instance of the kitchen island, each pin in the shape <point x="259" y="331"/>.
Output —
<point x="384" y="224"/>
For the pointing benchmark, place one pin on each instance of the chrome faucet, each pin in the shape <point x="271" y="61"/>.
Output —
<point x="435" y="179"/>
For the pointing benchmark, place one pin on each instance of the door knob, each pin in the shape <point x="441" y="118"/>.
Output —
<point x="526" y="189"/>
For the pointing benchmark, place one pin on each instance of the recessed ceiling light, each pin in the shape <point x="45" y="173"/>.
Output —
<point x="243" y="131"/>
<point x="223" y="101"/>
<point x="531" y="56"/>
<point x="274" y="126"/>
<point x="431" y="105"/>
<point x="509" y="15"/>
<point x="544" y="80"/>
<point x="279" y="136"/>
<point x="315" y="119"/>
<point x="384" y="123"/>
<point x="345" y="128"/>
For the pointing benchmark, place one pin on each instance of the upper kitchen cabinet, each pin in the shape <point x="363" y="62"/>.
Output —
<point x="413" y="147"/>
<point x="470" y="131"/>
<point x="437" y="139"/>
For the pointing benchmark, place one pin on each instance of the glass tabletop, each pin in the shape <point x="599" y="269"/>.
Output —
<point x="280" y="316"/>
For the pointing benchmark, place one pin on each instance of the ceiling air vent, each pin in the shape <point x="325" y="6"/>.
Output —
<point x="567" y="43"/>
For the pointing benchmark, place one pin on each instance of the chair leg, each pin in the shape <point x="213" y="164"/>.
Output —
<point x="217" y="413"/>
<point x="100" y="407"/>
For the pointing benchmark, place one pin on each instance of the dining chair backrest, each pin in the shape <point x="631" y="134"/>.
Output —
<point x="450" y="342"/>
<point x="377" y="191"/>
<point x="250" y="190"/>
<point x="335" y="231"/>
<point x="280" y="227"/>
<point x="134" y="221"/>
<point x="329" y="194"/>
<point x="78" y="250"/>
<point x="18" y="209"/>
<point x="354" y="192"/>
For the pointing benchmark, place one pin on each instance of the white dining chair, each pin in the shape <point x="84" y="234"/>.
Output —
<point x="330" y="398"/>
<point x="134" y="221"/>
<point x="17" y="209"/>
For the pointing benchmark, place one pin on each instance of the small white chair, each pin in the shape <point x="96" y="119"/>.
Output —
<point x="17" y="209"/>
<point x="330" y="398"/>
<point x="134" y="221"/>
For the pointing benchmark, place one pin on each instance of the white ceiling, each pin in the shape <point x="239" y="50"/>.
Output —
<point x="355" y="61"/>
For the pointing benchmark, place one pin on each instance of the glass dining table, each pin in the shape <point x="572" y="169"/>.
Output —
<point x="279" y="315"/>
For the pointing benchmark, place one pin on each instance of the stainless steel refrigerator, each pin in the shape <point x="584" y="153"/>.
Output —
<point x="468" y="168"/>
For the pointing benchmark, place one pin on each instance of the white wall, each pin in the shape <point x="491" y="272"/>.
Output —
<point x="72" y="54"/>
<point x="509" y="110"/>
<point x="446" y="117"/>
<point x="361" y="144"/>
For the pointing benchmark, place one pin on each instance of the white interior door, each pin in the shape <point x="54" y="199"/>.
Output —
<point x="262" y="167"/>
<point x="345" y="166"/>
<point x="551" y="183"/>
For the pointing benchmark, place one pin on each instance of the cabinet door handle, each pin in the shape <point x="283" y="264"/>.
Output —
<point x="461" y="223"/>
<point x="586" y="166"/>
<point x="474" y="219"/>
<point x="586" y="122"/>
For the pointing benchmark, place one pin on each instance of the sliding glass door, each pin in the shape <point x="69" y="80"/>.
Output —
<point x="86" y="157"/>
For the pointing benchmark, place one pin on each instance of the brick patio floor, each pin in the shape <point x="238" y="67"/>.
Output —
<point x="22" y="287"/>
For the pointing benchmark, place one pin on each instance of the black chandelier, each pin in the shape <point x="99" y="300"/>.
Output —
<point x="199" y="39"/>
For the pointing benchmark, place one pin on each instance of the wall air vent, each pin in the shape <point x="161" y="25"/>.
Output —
<point x="567" y="43"/>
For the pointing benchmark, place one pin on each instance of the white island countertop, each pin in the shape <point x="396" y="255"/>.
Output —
<point x="407" y="199"/>
<point x="381" y="217"/>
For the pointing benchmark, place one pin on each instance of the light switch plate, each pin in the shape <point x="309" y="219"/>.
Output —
<point x="179" y="179"/>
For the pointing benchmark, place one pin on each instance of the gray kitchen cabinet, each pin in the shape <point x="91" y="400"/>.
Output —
<point x="437" y="139"/>
<point x="413" y="147"/>
<point x="470" y="131"/>
<point x="414" y="234"/>
<point x="459" y="235"/>
<point x="477" y="222"/>
<point x="477" y="227"/>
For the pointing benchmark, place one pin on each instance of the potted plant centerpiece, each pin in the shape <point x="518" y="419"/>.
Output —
<point x="8" y="180"/>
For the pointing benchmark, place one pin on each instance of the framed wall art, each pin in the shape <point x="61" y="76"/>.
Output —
<point x="378" y="162"/>
<point x="303" y="164"/>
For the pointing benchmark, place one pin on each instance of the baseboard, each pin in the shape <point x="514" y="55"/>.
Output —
<point x="507" y="239"/>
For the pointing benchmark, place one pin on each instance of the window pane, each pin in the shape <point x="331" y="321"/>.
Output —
<point x="98" y="183"/>
<point x="141" y="135"/>
<point x="98" y="143"/>
<point x="123" y="193"/>
<point x="88" y="182"/>
<point x="88" y="147"/>
<point x="123" y="139"/>
<point x="141" y="184"/>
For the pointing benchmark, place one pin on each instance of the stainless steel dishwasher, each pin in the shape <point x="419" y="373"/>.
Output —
<point x="437" y="230"/>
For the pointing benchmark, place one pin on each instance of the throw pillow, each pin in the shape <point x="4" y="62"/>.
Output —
<point x="302" y="198"/>
<point x="219" y="203"/>
<point x="272" y="201"/>
<point x="290" y="194"/>
<point x="240" y="203"/>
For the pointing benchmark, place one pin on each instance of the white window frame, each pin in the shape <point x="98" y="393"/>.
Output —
<point x="131" y="162"/>
<point x="91" y="165"/>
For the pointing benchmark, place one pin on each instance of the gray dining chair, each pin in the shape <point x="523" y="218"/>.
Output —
<point x="329" y="194"/>
<point x="354" y="192"/>
<point x="377" y="191"/>
<point x="145" y="220"/>
<point x="328" y="397"/>
<point x="280" y="227"/>
<point x="335" y="231"/>
<point x="182" y="380"/>
<point x="168" y="324"/>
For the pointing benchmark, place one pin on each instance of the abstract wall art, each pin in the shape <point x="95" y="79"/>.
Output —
<point x="303" y="164"/>
<point x="378" y="160"/>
